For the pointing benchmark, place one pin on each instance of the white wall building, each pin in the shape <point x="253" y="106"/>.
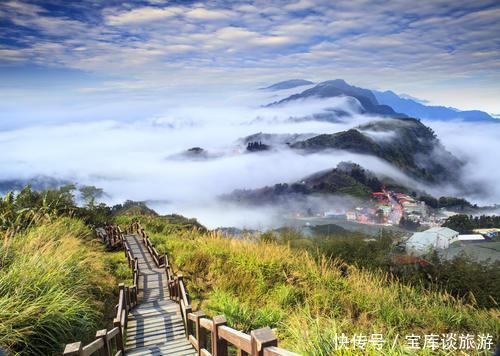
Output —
<point x="436" y="238"/>
<point x="471" y="237"/>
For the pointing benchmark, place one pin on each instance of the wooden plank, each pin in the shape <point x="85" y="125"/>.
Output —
<point x="193" y="341"/>
<point x="204" y="352"/>
<point x="206" y="323"/>
<point x="112" y="333"/>
<point x="236" y="338"/>
<point x="94" y="346"/>
<point x="73" y="349"/>
<point x="276" y="351"/>
<point x="155" y="330"/>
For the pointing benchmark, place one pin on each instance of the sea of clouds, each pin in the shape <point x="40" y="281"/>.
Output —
<point x="133" y="158"/>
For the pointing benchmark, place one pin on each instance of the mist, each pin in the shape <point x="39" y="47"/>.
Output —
<point x="142" y="159"/>
<point x="477" y="144"/>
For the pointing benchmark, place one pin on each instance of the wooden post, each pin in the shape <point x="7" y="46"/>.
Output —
<point x="120" y="345"/>
<point x="219" y="346"/>
<point x="187" y="323"/>
<point x="199" y="331"/>
<point x="179" y="293"/>
<point x="122" y="286"/>
<point x="74" y="349"/>
<point x="127" y="298"/>
<point x="262" y="338"/>
<point x="106" y="350"/>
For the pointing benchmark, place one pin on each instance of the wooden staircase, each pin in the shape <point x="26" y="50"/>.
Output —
<point x="154" y="315"/>
<point x="155" y="326"/>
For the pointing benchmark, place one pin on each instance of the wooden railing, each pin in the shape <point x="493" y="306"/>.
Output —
<point x="111" y="342"/>
<point x="211" y="336"/>
<point x="158" y="259"/>
<point x="111" y="236"/>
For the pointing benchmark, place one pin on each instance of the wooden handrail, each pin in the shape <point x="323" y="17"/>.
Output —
<point x="238" y="339"/>
<point x="260" y="342"/>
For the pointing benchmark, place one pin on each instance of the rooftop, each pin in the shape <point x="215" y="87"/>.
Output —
<point x="445" y="231"/>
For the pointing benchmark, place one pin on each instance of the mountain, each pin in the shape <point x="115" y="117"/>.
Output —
<point x="347" y="178"/>
<point x="288" y="84"/>
<point x="405" y="143"/>
<point x="415" y="109"/>
<point x="338" y="87"/>
<point x="40" y="182"/>
<point x="275" y="140"/>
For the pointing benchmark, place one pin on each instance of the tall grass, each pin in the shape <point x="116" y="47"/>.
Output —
<point x="55" y="284"/>
<point x="308" y="300"/>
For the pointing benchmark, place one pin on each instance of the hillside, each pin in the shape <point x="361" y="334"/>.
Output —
<point x="346" y="178"/>
<point x="59" y="284"/>
<point x="406" y="143"/>
<point x="309" y="300"/>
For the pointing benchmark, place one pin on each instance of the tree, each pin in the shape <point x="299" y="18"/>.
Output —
<point x="90" y="194"/>
<point x="461" y="223"/>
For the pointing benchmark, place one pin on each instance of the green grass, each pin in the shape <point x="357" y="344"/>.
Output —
<point x="57" y="285"/>
<point x="307" y="300"/>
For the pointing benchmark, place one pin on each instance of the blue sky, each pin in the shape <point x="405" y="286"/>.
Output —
<point x="54" y="53"/>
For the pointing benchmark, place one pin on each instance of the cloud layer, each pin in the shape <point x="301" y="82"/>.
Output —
<point x="446" y="52"/>
<point x="142" y="159"/>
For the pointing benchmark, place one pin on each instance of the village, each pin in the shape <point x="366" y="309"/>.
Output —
<point x="389" y="208"/>
<point x="419" y="226"/>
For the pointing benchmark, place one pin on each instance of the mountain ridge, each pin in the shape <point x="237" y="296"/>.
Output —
<point x="288" y="84"/>
<point x="340" y="88"/>
<point x="405" y="143"/>
<point x="431" y="112"/>
<point x="386" y="103"/>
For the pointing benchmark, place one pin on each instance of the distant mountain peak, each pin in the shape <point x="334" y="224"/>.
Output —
<point x="339" y="88"/>
<point x="288" y="84"/>
<point x="417" y="108"/>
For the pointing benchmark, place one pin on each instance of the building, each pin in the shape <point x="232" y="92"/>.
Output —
<point x="490" y="233"/>
<point x="471" y="238"/>
<point x="436" y="238"/>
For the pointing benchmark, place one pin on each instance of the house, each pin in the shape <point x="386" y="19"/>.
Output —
<point x="436" y="238"/>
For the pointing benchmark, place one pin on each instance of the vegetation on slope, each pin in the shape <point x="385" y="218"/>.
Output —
<point x="57" y="284"/>
<point x="476" y="283"/>
<point x="307" y="299"/>
<point x="55" y="287"/>
<point x="465" y="224"/>
<point x="405" y="143"/>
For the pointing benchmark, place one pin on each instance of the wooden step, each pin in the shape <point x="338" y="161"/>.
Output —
<point x="154" y="328"/>
<point x="176" y="348"/>
<point x="156" y="339"/>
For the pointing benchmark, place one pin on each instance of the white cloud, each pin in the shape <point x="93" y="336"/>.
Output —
<point x="206" y="14"/>
<point x="445" y="51"/>
<point x="300" y="5"/>
<point x="141" y="15"/>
